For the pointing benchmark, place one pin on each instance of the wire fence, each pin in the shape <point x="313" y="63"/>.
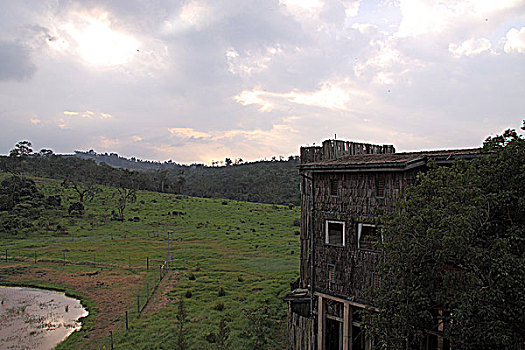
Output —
<point x="156" y="271"/>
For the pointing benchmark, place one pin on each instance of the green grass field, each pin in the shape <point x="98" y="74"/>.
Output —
<point x="250" y="251"/>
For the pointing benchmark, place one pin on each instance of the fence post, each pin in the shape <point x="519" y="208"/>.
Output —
<point x="111" y="339"/>
<point x="147" y="263"/>
<point x="127" y="320"/>
<point x="160" y="268"/>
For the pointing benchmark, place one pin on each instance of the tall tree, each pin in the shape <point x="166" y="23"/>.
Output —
<point x="126" y="190"/>
<point x="454" y="255"/>
<point x="22" y="149"/>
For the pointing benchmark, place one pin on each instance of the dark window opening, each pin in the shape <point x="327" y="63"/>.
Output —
<point x="334" y="187"/>
<point x="335" y="233"/>
<point x="333" y="335"/>
<point x="368" y="236"/>
<point x="380" y="187"/>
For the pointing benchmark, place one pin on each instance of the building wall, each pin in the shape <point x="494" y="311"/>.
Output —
<point x="355" y="202"/>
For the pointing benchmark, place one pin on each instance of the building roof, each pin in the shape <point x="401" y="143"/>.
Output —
<point x="390" y="161"/>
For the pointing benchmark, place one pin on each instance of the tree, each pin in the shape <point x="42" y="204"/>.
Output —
<point x="22" y="150"/>
<point x="45" y="152"/>
<point x="127" y="185"/>
<point x="83" y="176"/>
<point x="228" y="162"/>
<point x="181" y="322"/>
<point x="454" y="255"/>
<point x="223" y="335"/>
<point x="162" y="180"/>
<point x="181" y="180"/>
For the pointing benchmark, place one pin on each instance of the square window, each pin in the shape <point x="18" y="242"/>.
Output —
<point x="335" y="233"/>
<point x="367" y="236"/>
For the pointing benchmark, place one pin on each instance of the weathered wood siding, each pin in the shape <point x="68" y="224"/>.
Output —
<point x="300" y="330"/>
<point x="356" y="202"/>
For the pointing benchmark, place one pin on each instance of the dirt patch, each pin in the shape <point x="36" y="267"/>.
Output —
<point x="160" y="299"/>
<point x="111" y="290"/>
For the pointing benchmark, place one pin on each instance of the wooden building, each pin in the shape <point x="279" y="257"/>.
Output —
<point x="344" y="185"/>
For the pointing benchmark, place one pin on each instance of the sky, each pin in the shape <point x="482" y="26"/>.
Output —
<point x="202" y="80"/>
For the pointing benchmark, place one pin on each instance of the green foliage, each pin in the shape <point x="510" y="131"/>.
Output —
<point x="16" y="190"/>
<point x="454" y="253"/>
<point x="263" y="181"/>
<point x="217" y="243"/>
<point x="261" y="323"/>
<point x="181" y="324"/>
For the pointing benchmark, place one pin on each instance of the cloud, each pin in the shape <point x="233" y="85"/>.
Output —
<point x="196" y="14"/>
<point x="188" y="133"/>
<point x="213" y="145"/>
<point x="420" y="17"/>
<point x="15" y="61"/>
<point x="515" y="41"/>
<point x="330" y="95"/>
<point x="251" y="62"/>
<point x="470" y="47"/>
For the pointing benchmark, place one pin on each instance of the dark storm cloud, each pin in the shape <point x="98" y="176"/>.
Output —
<point x="15" y="62"/>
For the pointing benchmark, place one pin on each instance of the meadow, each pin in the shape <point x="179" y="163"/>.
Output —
<point x="238" y="261"/>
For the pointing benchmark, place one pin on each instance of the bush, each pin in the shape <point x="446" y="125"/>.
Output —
<point x="222" y="292"/>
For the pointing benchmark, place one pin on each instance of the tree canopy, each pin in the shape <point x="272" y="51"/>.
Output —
<point x="454" y="255"/>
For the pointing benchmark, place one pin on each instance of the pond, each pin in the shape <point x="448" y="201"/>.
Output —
<point x="32" y="318"/>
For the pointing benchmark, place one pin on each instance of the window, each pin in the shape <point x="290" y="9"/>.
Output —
<point x="380" y="187"/>
<point x="335" y="233"/>
<point x="375" y="280"/>
<point x="331" y="273"/>
<point x="367" y="236"/>
<point x="334" y="187"/>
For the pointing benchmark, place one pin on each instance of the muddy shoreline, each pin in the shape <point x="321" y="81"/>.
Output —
<point x="32" y="318"/>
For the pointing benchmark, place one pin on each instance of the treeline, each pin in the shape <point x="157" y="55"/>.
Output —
<point x="273" y="181"/>
<point x="264" y="181"/>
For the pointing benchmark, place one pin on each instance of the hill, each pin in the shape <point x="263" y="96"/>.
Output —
<point x="239" y="258"/>
<point x="275" y="181"/>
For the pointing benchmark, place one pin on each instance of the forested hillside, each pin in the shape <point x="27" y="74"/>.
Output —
<point x="273" y="181"/>
<point x="265" y="182"/>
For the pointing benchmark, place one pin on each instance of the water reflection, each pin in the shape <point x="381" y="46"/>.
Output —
<point x="39" y="319"/>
